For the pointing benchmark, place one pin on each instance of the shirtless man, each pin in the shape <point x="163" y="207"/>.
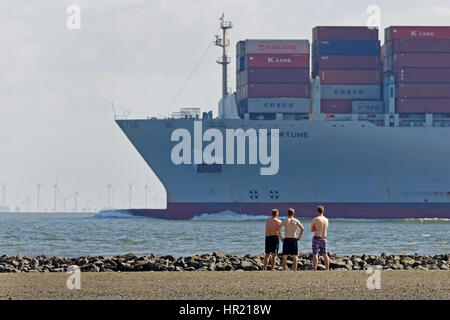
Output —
<point x="290" y="240"/>
<point x="319" y="242"/>
<point x="272" y="239"/>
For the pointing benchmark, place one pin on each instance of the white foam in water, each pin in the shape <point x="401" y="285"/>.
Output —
<point x="427" y="219"/>
<point x="227" y="216"/>
<point x="117" y="214"/>
<point x="358" y="219"/>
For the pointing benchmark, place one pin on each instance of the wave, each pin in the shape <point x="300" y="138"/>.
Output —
<point x="425" y="220"/>
<point x="392" y="220"/>
<point x="228" y="216"/>
<point x="358" y="219"/>
<point x="117" y="214"/>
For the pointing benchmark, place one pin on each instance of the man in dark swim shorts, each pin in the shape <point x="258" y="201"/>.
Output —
<point x="272" y="239"/>
<point x="290" y="240"/>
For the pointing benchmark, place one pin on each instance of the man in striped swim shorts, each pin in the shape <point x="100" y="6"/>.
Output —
<point x="319" y="242"/>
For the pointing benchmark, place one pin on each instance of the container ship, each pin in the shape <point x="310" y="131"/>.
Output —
<point x="359" y="127"/>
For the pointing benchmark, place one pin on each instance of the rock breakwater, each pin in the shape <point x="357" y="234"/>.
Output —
<point x="216" y="262"/>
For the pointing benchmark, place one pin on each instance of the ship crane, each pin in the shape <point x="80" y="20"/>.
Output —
<point x="224" y="60"/>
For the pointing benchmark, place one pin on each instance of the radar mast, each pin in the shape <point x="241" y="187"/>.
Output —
<point x="224" y="60"/>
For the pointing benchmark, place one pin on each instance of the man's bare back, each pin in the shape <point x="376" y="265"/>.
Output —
<point x="290" y="227"/>
<point x="320" y="226"/>
<point x="272" y="226"/>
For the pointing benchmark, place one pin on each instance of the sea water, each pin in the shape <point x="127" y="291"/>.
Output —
<point x="82" y="234"/>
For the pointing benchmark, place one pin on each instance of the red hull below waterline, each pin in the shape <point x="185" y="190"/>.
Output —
<point x="188" y="210"/>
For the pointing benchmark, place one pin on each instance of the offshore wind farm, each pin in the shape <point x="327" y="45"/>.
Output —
<point x="57" y="198"/>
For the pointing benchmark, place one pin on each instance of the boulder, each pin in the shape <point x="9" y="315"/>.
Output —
<point x="149" y="266"/>
<point x="141" y="262"/>
<point x="81" y="261"/>
<point x="219" y="255"/>
<point x="307" y="266"/>
<point x="229" y="267"/>
<point x="128" y="256"/>
<point x="321" y="267"/>
<point x="34" y="263"/>
<point x="337" y="264"/>
<point x="90" y="268"/>
<point x="407" y="261"/>
<point x="357" y="260"/>
<point x="193" y="264"/>
<point x="170" y="258"/>
<point x="379" y="262"/>
<point x="220" y="266"/>
<point x="212" y="266"/>
<point x="246" y="265"/>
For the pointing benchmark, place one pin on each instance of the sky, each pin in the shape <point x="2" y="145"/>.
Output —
<point x="57" y="84"/>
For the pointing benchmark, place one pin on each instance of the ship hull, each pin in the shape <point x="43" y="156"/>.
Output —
<point x="354" y="168"/>
<point x="185" y="211"/>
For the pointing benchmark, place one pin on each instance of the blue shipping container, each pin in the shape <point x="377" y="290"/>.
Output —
<point x="347" y="47"/>
<point x="241" y="64"/>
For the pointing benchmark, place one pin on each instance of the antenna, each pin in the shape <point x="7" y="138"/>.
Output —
<point x="38" y="195"/>
<point x="130" y="190"/>
<point x="114" y="110"/>
<point x="224" y="60"/>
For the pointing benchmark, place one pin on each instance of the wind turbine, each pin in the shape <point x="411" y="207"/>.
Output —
<point x="130" y="190"/>
<point x="100" y="201"/>
<point x="4" y="193"/>
<point x="64" y="203"/>
<point x="77" y="194"/>
<point x="88" y="205"/>
<point x="146" y="190"/>
<point x="112" y="198"/>
<point x="109" y="195"/>
<point x="28" y="204"/>
<point x="38" y="195"/>
<point x="56" y="191"/>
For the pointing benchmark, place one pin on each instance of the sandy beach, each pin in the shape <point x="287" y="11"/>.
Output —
<point x="335" y="284"/>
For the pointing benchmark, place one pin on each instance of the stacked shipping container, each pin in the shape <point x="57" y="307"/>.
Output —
<point x="419" y="60"/>
<point x="272" y="77"/>
<point x="347" y="62"/>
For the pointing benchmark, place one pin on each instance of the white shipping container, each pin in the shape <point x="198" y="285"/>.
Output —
<point x="366" y="107"/>
<point x="279" y="105"/>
